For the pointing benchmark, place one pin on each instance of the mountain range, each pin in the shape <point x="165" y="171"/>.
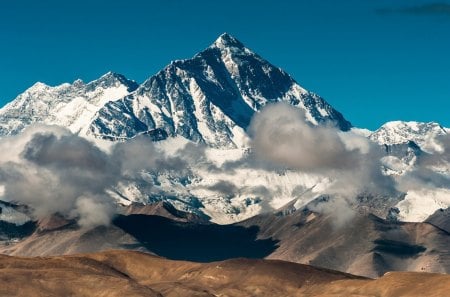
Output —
<point x="209" y="98"/>
<point x="198" y="113"/>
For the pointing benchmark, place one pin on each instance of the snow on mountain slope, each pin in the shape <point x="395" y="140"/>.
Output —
<point x="226" y="196"/>
<point x="209" y="98"/>
<point x="405" y="143"/>
<point x="418" y="205"/>
<point x="10" y="215"/>
<point x="397" y="132"/>
<point x="68" y="105"/>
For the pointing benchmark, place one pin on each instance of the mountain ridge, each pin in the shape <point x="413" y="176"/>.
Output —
<point x="209" y="98"/>
<point x="68" y="105"/>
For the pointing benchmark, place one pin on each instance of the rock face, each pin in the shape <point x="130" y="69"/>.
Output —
<point x="209" y="98"/>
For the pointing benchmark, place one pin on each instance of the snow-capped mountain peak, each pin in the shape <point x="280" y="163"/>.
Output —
<point x="78" y="83"/>
<point x="209" y="98"/>
<point x="398" y="132"/>
<point x="69" y="105"/>
<point x="112" y="79"/>
<point x="226" y="41"/>
<point x="39" y="86"/>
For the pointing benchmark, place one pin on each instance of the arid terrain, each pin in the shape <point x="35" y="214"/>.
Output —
<point x="128" y="273"/>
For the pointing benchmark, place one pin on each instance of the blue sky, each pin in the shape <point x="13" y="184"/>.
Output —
<point x="373" y="60"/>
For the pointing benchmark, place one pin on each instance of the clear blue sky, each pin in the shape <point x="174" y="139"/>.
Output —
<point x="374" y="60"/>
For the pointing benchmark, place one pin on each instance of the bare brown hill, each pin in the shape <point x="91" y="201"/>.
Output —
<point x="127" y="273"/>
<point x="365" y="245"/>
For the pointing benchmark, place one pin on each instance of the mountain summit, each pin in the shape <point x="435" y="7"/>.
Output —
<point x="226" y="41"/>
<point x="209" y="98"/>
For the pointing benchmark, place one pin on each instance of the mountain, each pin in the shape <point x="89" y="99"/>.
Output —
<point x="218" y="201"/>
<point x="69" y="105"/>
<point x="209" y="98"/>
<point x="398" y="132"/>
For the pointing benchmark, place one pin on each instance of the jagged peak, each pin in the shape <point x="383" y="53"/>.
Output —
<point x="78" y="83"/>
<point x="422" y="133"/>
<point x="227" y="41"/>
<point x="38" y="86"/>
<point x="111" y="78"/>
<point x="42" y="87"/>
<point x="410" y="124"/>
<point x="112" y="74"/>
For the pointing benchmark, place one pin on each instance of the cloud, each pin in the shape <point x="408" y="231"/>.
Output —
<point x="338" y="208"/>
<point x="93" y="212"/>
<point x="437" y="8"/>
<point x="225" y="188"/>
<point x="430" y="170"/>
<point x="281" y="134"/>
<point x="139" y="154"/>
<point x="54" y="171"/>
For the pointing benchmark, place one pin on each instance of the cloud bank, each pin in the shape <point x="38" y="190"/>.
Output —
<point x="54" y="171"/>
<point x="282" y="135"/>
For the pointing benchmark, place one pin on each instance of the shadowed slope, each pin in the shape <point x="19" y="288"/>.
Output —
<point x="364" y="245"/>
<point x="195" y="242"/>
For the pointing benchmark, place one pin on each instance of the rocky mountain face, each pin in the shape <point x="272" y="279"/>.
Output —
<point x="209" y="98"/>
<point x="366" y="245"/>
